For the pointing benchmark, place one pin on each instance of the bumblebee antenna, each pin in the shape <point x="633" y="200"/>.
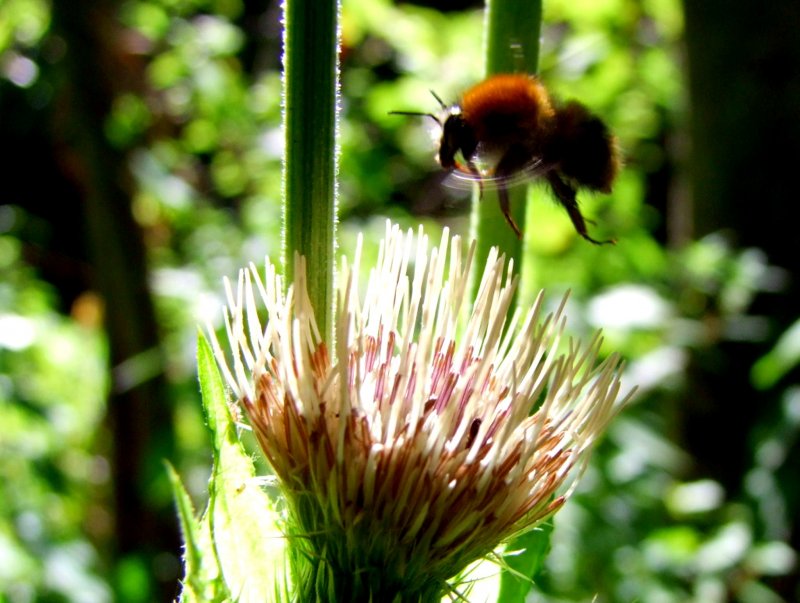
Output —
<point x="419" y="113"/>
<point x="439" y="100"/>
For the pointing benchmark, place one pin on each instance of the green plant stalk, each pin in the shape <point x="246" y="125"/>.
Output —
<point x="511" y="45"/>
<point x="310" y="108"/>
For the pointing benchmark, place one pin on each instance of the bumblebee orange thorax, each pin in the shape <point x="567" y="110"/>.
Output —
<point x="507" y="105"/>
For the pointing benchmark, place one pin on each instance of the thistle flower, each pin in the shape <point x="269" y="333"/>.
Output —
<point x="436" y="432"/>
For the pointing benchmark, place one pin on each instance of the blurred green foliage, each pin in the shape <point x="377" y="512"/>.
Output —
<point x="52" y="482"/>
<point x="198" y="121"/>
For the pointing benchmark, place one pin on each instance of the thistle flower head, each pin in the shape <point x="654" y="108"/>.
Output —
<point x="437" y="430"/>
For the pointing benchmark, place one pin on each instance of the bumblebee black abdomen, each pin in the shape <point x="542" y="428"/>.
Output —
<point x="583" y="148"/>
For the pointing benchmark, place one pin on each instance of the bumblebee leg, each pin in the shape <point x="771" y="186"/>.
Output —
<point x="566" y="196"/>
<point x="509" y="164"/>
<point x="505" y="207"/>
<point x="473" y="169"/>
<point x="474" y="173"/>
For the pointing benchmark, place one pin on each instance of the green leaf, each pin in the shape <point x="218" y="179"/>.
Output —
<point x="782" y="358"/>
<point x="244" y="523"/>
<point x="524" y="559"/>
<point x="201" y="582"/>
<point x="190" y="528"/>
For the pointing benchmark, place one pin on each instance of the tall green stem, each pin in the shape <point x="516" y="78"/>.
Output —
<point x="311" y="88"/>
<point x="512" y="29"/>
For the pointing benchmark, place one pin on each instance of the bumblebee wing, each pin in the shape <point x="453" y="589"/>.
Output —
<point x="462" y="178"/>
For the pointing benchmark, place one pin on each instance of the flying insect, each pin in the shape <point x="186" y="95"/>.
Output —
<point x="506" y="129"/>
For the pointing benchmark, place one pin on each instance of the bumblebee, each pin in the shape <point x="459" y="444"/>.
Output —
<point x="509" y="123"/>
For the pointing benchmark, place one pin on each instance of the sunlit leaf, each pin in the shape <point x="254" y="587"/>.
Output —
<point x="201" y="580"/>
<point x="525" y="557"/>
<point x="243" y="520"/>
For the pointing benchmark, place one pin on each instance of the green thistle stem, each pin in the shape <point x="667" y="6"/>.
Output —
<point x="512" y="29"/>
<point x="311" y="88"/>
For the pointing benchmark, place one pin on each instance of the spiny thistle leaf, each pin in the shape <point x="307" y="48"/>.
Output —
<point x="201" y="581"/>
<point x="243" y="522"/>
